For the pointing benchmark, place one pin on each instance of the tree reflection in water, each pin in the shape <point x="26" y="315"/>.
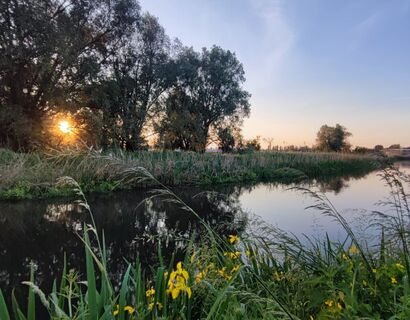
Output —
<point x="43" y="231"/>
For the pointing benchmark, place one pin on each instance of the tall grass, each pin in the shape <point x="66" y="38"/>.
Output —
<point x="35" y="174"/>
<point x="265" y="274"/>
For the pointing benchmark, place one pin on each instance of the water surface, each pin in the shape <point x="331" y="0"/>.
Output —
<point x="42" y="231"/>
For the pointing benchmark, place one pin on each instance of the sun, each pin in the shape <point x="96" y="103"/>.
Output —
<point x="65" y="126"/>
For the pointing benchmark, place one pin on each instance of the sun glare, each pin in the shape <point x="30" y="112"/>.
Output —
<point x="64" y="126"/>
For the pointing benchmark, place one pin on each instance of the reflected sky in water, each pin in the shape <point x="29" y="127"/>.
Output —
<point x="284" y="207"/>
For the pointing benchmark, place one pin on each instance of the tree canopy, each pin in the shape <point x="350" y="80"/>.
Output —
<point x="333" y="138"/>
<point x="114" y="72"/>
<point x="207" y="92"/>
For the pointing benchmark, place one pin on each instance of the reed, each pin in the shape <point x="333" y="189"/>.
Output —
<point x="34" y="175"/>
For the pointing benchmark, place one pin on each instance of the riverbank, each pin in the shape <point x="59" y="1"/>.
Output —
<point x="34" y="175"/>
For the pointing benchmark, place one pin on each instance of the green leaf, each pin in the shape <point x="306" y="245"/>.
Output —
<point x="4" y="313"/>
<point x="91" y="284"/>
<point x="31" y="308"/>
<point x="123" y="292"/>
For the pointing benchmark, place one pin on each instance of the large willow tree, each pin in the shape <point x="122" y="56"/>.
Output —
<point x="207" y="93"/>
<point x="49" y="51"/>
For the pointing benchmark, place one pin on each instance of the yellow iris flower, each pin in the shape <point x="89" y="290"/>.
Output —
<point x="178" y="282"/>
<point x="128" y="309"/>
<point x="353" y="250"/>
<point x="233" y="239"/>
<point x="150" y="292"/>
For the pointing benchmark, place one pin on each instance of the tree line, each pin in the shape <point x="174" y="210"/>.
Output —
<point x="112" y="69"/>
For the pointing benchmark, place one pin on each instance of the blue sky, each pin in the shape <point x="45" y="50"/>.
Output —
<point x="309" y="62"/>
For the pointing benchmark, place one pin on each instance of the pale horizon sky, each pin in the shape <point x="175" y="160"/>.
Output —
<point x="309" y="62"/>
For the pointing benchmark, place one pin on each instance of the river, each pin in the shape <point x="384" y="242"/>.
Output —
<point x="43" y="231"/>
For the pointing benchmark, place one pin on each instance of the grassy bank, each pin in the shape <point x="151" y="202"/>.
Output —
<point x="34" y="175"/>
<point x="265" y="274"/>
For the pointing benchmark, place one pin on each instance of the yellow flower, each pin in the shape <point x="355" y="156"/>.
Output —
<point x="200" y="276"/>
<point x="178" y="282"/>
<point x="374" y="270"/>
<point x="353" y="250"/>
<point x="233" y="239"/>
<point x="248" y="253"/>
<point x="339" y="306"/>
<point x="393" y="280"/>
<point x="151" y="306"/>
<point x="400" y="266"/>
<point x="150" y="292"/>
<point x="129" y="309"/>
<point x="329" y="303"/>
<point x="233" y="255"/>
<point x="279" y="276"/>
<point x="223" y="273"/>
<point x="345" y="257"/>
<point x="235" y="268"/>
<point x="116" y="311"/>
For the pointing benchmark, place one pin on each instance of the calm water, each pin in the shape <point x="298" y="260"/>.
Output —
<point x="42" y="231"/>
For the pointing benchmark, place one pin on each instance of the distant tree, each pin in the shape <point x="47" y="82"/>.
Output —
<point x="226" y="139"/>
<point x="250" y="145"/>
<point x="360" y="150"/>
<point x="333" y="138"/>
<point x="50" y="50"/>
<point x="378" y="148"/>
<point x="394" y="146"/>
<point x="209" y="86"/>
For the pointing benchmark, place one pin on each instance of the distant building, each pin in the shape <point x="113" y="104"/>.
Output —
<point x="402" y="153"/>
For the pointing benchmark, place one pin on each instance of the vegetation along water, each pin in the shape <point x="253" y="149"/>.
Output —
<point x="33" y="175"/>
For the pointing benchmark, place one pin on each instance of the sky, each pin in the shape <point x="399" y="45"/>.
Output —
<point x="309" y="62"/>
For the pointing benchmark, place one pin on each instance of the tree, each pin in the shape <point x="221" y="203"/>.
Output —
<point x="361" y="150"/>
<point x="49" y="50"/>
<point x="179" y="127"/>
<point x="378" y="148"/>
<point x="226" y="139"/>
<point x="141" y="73"/>
<point x="209" y="89"/>
<point x="253" y="144"/>
<point x="250" y="145"/>
<point x="333" y="138"/>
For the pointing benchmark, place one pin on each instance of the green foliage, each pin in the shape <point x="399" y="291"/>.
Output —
<point x="49" y="51"/>
<point x="250" y="146"/>
<point x="34" y="175"/>
<point x="333" y="138"/>
<point x="112" y="71"/>
<point x="208" y="91"/>
<point x="140" y="75"/>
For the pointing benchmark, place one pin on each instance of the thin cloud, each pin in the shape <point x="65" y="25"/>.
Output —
<point x="279" y="37"/>
<point x="365" y="27"/>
